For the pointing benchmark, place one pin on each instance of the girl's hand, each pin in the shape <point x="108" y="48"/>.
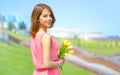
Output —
<point x="61" y="61"/>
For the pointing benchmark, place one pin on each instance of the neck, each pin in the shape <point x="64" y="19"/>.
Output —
<point x="43" y="29"/>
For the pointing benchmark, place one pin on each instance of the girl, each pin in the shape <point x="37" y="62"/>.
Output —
<point x="44" y="49"/>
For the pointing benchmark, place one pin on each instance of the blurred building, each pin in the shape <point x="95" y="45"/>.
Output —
<point x="73" y="33"/>
<point x="3" y="33"/>
<point x="62" y="32"/>
<point x="91" y="35"/>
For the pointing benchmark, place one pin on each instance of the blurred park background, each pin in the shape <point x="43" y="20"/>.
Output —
<point x="91" y="25"/>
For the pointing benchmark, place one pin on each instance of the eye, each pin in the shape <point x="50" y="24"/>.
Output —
<point x="50" y="15"/>
<point x="44" y="15"/>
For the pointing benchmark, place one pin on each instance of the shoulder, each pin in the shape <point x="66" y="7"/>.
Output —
<point x="46" y="36"/>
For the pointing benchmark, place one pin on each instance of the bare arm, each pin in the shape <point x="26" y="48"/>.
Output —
<point x="48" y="63"/>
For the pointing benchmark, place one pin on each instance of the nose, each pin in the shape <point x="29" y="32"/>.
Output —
<point x="49" y="18"/>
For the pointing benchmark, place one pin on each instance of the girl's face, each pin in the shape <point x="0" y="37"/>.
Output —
<point x="45" y="19"/>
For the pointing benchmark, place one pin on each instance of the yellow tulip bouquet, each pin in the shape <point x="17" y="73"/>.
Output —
<point x="65" y="49"/>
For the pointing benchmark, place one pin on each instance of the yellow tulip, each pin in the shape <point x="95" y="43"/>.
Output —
<point x="69" y="43"/>
<point x="71" y="51"/>
<point x="70" y="47"/>
<point x="66" y="54"/>
<point x="65" y="42"/>
<point x="65" y="49"/>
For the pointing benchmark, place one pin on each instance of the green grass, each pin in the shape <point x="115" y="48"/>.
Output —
<point x="16" y="60"/>
<point x="70" y="69"/>
<point x="103" y="51"/>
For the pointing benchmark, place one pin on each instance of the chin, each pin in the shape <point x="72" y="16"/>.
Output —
<point x="49" y="26"/>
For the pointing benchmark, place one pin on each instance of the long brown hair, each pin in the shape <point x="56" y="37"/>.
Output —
<point x="35" y="25"/>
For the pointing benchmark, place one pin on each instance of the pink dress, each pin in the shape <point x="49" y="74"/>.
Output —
<point x="37" y="55"/>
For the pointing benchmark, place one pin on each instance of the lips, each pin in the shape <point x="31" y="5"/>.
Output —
<point x="49" y="23"/>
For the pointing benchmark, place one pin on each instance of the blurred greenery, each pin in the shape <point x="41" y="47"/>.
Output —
<point x="97" y="47"/>
<point x="18" y="36"/>
<point x="15" y="59"/>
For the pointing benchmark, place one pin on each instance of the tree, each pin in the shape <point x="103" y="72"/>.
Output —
<point x="22" y="25"/>
<point x="11" y="25"/>
<point x="2" y="20"/>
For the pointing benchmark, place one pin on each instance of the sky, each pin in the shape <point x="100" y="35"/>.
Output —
<point x="83" y="15"/>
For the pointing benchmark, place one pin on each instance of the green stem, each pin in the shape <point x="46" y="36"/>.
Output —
<point x="61" y="68"/>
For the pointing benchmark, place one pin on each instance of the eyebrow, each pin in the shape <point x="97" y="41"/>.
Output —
<point x="46" y="14"/>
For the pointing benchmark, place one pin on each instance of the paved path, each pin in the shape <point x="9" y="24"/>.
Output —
<point x="98" y="68"/>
